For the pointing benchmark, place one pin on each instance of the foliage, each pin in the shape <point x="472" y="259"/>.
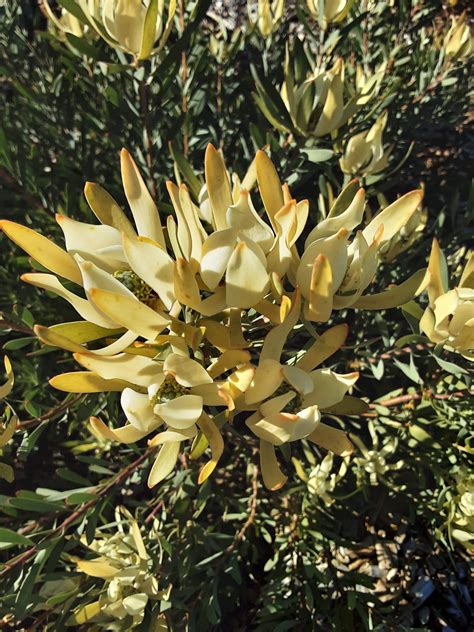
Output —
<point x="368" y="520"/>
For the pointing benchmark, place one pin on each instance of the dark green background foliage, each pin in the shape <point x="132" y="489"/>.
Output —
<point x="238" y="557"/>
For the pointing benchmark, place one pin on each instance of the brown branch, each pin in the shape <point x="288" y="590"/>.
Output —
<point x="410" y="397"/>
<point x="119" y="478"/>
<point x="57" y="410"/>
<point x="184" y="76"/>
<point x="239" y="536"/>
<point x="8" y="324"/>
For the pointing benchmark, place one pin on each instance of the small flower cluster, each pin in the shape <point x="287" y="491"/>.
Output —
<point x="181" y="309"/>
<point x="122" y="562"/>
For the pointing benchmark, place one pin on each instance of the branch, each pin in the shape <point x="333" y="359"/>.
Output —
<point x="239" y="536"/>
<point x="120" y="477"/>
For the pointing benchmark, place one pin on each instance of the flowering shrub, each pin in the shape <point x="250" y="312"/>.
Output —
<point x="248" y="403"/>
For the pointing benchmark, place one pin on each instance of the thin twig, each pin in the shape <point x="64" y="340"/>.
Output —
<point x="120" y="477"/>
<point x="239" y="536"/>
<point x="411" y="397"/>
<point x="53" y="412"/>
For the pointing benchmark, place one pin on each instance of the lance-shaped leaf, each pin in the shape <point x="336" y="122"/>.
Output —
<point x="164" y="463"/>
<point x="97" y="243"/>
<point x="349" y="218"/>
<point x="86" y="382"/>
<point x="393" y="217"/>
<point x="5" y="389"/>
<point x="98" y="567"/>
<point x="329" y="387"/>
<point x="149" y="30"/>
<point x="82" y="306"/>
<point x="395" y="295"/>
<point x="81" y="331"/>
<point x="228" y="360"/>
<point x="130" y="313"/>
<point x="124" y="434"/>
<point x="335" y="249"/>
<point x="137" y="369"/>
<point x="106" y="209"/>
<point x="334" y="105"/>
<point x="218" y="186"/>
<point x="321" y="290"/>
<point x="216" y="443"/>
<point x="332" y="439"/>
<point x="8" y="431"/>
<point x="437" y="285"/>
<point x="324" y="347"/>
<point x="246" y="279"/>
<point x="269" y="185"/>
<point x="279" y="428"/>
<point x="141" y="203"/>
<point x="43" y="250"/>
<point x="49" y="336"/>
<point x="85" y="614"/>
<point x="273" y="477"/>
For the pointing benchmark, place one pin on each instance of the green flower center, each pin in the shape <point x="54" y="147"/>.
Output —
<point x="136" y="285"/>
<point x="294" y="406"/>
<point x="170" y="389"/>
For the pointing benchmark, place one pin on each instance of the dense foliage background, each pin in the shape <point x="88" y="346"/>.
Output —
<point x="374" y="552"/>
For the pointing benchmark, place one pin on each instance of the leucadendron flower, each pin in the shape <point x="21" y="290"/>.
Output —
<point x="448" y="320"/>
<point x="334" y="11"/>
<point x="373" y="463"/>
<point x="334" y="272"/>
<point x="322" y="480"/>
<point x="130" y="582"/>
<point x="288" y="399"/>
<point x="268" y="15"/>
<point x="365" y="153"/>
<point x="137" y="27"/>
<point x="458" y="41"/>
<point x="173" y="393"/>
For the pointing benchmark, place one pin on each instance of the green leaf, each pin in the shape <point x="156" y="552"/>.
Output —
<point x="317" y="155"/>
<point x="8" y="536"/>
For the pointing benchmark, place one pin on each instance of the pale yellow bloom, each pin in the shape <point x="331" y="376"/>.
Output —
<point x="448" y="320"/>
<point x="174" y="393"/>
<point x="458" y="41"/>
<point x="322" y="480"/>
<point x="129" y="577"/>
<point x="269" y="15"/>
<point x="321" y="92"/>
<point x="288" y="398"/>
<point x="334" y="272"/>
<point x="364" y="153"/>
<point x="138" y="27"/>
<point x="373" y="461"/>
<point x="334" y="10"/>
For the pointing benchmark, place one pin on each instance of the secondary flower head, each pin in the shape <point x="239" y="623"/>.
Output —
<point x="458" y="41"/>
<point x="364" y="153"/>
<point x="130" y="582"/>
<point x="448" y="319"/>
<point x="138" y="27"/>
<point x="334" y="10"/>
<point x="269" y="15"/>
